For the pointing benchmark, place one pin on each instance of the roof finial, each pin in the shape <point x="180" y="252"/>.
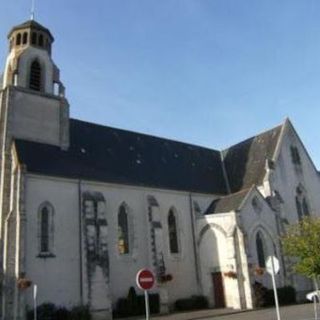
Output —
<point x="32" y="9"/>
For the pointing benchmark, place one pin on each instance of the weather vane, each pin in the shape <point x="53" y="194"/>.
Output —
<point x="32" y="9"/>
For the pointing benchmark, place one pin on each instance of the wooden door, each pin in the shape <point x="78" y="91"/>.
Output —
<point x="218" y="290"/>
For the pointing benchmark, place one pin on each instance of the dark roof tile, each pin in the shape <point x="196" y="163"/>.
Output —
<point x="227" y="203"/>
<point x="106" y="154"/>
<point x="245" y="162"/>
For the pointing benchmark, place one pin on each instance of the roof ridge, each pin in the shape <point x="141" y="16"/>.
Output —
<point x="236" y="193"/>
<point x="145" y="135"/>
<point x="253" y="137"/>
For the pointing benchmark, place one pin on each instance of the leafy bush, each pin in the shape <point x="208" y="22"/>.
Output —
<point x="192" y="303"/>
<point x="61" y="314"/>
<point x="48" y="311"/>
<point x="80" y="313"/>
<point x="286" y="295"/>
<point x="134" y="304"/>
<point x="260" y="295"/>
<point x="265" y="297"/>
<point x="154" y="303"/>
<point x="45" y="311"/>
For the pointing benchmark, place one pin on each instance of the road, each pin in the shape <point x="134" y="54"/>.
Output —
<point x="296" y="312"/>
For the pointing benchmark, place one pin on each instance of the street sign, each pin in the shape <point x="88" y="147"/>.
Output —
<point x="314" y="296"/>
<point x="276" y="266"/>
<point x="145" y="279"/>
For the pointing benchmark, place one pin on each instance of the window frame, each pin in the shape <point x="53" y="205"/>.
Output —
<point x="46" y="249"/>
<point x="25" y="38"/>
<point x="18" y="39"/>
<point x="173" y="233"/>
<point x="36" y="75"/>
<point x="260" y="249"/>
<point x="127" y="245"/>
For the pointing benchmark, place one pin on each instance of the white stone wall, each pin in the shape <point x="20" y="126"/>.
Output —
<point x="59" y="277"/>
<point x="35" y="117"/>
<point x="261" y="220"/>
<point x="217" y="254"/>
<point x="285" y="179"/>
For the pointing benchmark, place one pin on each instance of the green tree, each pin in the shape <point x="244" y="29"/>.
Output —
<point x="302" y="242"/>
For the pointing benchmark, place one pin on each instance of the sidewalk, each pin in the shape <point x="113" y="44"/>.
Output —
<point x="190" y="315"/>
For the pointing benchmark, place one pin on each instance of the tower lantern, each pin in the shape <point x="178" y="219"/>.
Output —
<point x="36" y="101"/>
<point x="29" y="64"/>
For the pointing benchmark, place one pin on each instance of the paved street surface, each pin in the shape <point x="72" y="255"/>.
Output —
<point x="296" y="312"/>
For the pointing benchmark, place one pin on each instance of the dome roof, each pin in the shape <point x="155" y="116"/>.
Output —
<point x="31" y="24"/>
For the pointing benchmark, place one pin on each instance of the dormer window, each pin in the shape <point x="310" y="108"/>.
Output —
<point x="35" y="76"/>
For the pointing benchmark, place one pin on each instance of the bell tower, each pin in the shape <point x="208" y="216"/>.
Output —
<point x="36" y="105"/>
<point x="33" y="107"/>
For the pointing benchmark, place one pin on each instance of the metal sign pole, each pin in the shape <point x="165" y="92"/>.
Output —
<point x="35" y="302"/>
<point x="275" y="290"/>
<point x="315" y="298"/>
<point x="146" y="298"/>
<point x="315" y="308"/>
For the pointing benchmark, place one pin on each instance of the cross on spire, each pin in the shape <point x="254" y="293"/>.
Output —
<point x="32" y="9"/>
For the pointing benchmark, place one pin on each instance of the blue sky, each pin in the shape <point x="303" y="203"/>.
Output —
<point x="207" y="72"/>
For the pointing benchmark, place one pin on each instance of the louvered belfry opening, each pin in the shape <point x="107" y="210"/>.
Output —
<point x="35" y="76"/>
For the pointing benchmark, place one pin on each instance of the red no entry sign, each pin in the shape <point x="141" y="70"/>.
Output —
<point x="145" y="279"/>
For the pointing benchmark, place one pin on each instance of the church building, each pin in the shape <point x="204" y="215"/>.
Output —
<point x="84" y="206"/>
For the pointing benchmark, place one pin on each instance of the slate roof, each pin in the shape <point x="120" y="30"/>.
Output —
<point x="245" y="162"/>
<point x="227" y="203"/>
<point x="101" y="153"/>
<point x="31" y="24"/>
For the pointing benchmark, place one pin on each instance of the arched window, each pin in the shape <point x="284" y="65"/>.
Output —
<point x="123" y="230"/>
<point x="35" y="76"/>
<point x="302" y="202"/>
<point x="41" y="40"/>
<point x="45" y="230"/>
<point x="261" y="254"/>
<point x="25" y="38"/>
<point x="44" y="238"/>
<point x="18" y="40"/>
<point x="173" y="232"/>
